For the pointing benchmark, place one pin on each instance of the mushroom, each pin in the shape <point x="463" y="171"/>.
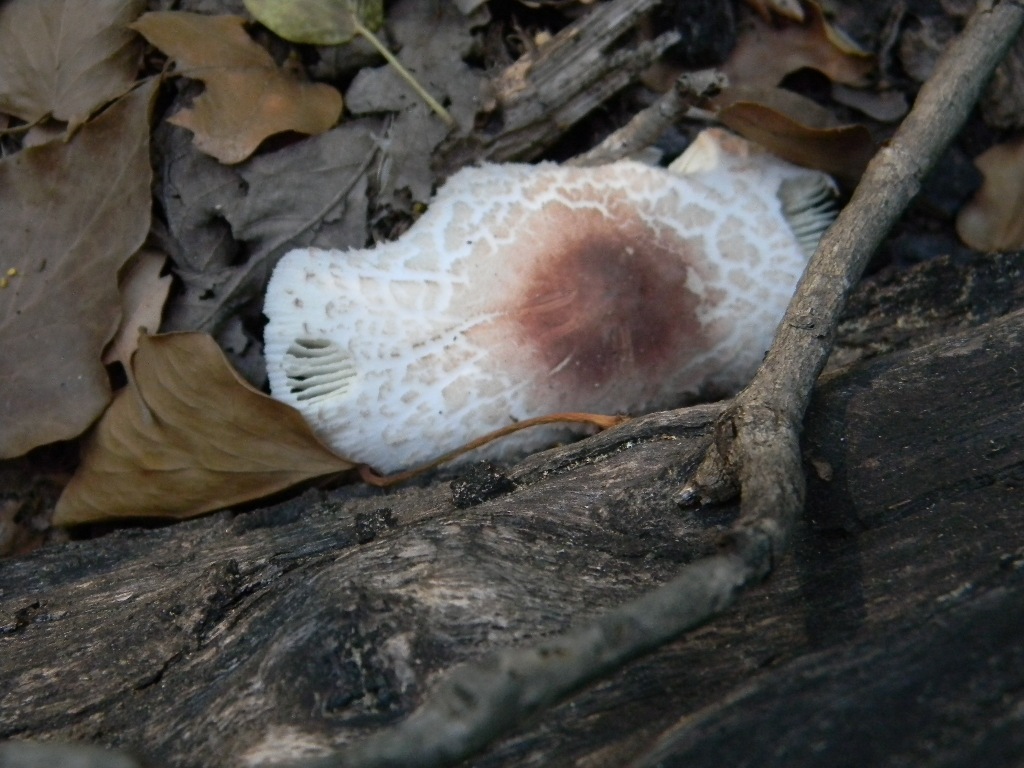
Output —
<point x="528" y="290"/>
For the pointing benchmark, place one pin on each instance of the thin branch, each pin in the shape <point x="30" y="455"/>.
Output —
<point x="757" y="445"/>
<point x="478" y="702"/>
<point x="681" y="101"/>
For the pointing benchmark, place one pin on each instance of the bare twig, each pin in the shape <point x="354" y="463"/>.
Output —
<point x="478" y="702"/>
<point x="690" y="90"/>
<point x="756" y="448"/>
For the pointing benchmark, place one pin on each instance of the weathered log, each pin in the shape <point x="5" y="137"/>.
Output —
<point x="895" y="630"/>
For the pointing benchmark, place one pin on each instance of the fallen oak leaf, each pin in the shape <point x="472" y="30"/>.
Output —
<point x="992" y="220"/>
<point x="72" y="215"/>
<point x="65" y="58"/>
<point x="248" y="97"/>
<point x="189" y="436"/>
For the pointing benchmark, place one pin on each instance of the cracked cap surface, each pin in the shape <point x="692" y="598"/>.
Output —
<point x="529" y="290"/>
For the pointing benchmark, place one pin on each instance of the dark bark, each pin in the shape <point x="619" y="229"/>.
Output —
<point x="892" y="634"/>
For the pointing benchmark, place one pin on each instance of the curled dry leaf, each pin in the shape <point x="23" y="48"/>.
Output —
<point x="247" y="97"/>
<point x="72" y="214"/>
<point x="65" y="58"/>
<point x="791" y="9"/>
<point x="992" y="221"/>
<point x="188" y="436"/>
<point x="765" y="54"/>
<point x="143" y="294"/>
<point x="888" y="106"/>
<point x="797" y="129"/>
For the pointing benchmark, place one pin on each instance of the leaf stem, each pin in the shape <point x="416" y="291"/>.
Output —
<point x="403" y="72"/>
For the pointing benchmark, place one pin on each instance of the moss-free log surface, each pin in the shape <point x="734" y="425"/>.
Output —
<point x="893" y="633"/>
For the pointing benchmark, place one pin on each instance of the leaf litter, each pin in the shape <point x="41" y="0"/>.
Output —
<point x="72" y="214"/>
<point x="331" y="22"/>
<point x="188" y="435"/>
<point x="766" y="53"/>
<point x="433" y="42"/>
<point x="66" y="58"/>
<point x="226" y="226"/>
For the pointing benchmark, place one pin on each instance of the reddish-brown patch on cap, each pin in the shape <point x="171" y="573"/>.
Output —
<point x="606" y="302"/>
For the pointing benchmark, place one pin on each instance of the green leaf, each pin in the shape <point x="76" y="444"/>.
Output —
<point x="332" y="22"/>
<point x="318" y="22"/>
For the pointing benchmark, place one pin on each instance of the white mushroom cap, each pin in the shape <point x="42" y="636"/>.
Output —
<point x="530" y="290"/>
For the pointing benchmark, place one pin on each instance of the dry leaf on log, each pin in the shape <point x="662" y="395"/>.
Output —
<point x="188" y="436"/>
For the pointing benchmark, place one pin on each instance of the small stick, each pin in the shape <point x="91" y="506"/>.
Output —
<point x="690" y="90"/>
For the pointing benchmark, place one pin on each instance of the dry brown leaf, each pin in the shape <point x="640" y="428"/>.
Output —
<point x="994" y="219"/>
<point x="188" y="436"/>
<point x="247" y="97"/>
<point x="888" y="106"/>
<point x="797" y="129"/>
<point x="312" y="192"/>
<point x="791" y="9"/>
<point x="65" y="58"/>
<point x="765" y="54"/>
<point x="72" y="214"/>
<point x="143" y="294"/>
